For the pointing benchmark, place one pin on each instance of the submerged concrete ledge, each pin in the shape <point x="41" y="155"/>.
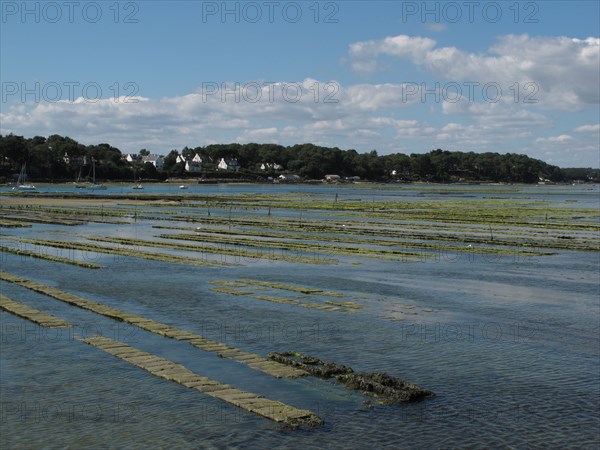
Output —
<point x="177" y="373"/>
<point x="251" y="360"/>
<point x="169" y="370"/>
<point x="27" y="312"/>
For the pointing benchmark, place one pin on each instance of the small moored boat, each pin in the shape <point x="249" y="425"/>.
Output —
<point x="95" y="186"/>
<point x="21" y="186"/>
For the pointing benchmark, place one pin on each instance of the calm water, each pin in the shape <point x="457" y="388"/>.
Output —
<point x="511" y="347"/>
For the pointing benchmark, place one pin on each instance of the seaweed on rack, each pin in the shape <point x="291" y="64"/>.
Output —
<point x="389" y="389"/>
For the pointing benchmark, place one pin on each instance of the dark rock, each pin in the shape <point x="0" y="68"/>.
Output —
<point x="379" y="384"/>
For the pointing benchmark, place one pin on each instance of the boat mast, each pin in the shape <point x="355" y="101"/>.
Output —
<point x="22" y="175"/>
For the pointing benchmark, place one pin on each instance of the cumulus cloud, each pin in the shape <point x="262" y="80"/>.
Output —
<point x="364" y="54"/>
<point x="502" y="117"/>
<point x="374" y="97"/>
<point x="253" y="111"/>
<point x="362" y="116"/>
<point x="595" y="128"/>
<point x="565" y="70"/>
<point x="566" y="150"/>
<point x="563" y="138"/>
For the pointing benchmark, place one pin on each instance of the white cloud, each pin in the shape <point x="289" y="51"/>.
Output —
<point x="321" y="110"/>
<point x="565" y="150"/>
<point x="562" y="139"/>
<point x="373" y="97"/>
<point x="595" y="128"/>
<point x="452" y="127"/>
<point x="566" y="71"/>
<point x="503" y="116"/>
<point x="364" y="54"/>
<point x="260" y="135"/>
<point x="365" y="116"/>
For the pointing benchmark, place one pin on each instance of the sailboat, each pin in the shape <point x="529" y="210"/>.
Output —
<point x="95" y="186"/>
<point x="21" y="186"/>
<point x="77" y="183"/>
<point x="138" y="185"/>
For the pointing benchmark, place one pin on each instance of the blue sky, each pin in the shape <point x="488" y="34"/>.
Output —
<point x="405" y="77"/>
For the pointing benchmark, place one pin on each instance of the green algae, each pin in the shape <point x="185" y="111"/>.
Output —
<point x="163" y="257"/>
<point x="44" y="256"/>
<point x="237" y="253"/>
<point x="288" y="287"/>
<point x="224" y="287"/>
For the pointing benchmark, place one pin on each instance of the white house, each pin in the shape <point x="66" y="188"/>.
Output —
<point x="229" y="164"/>
<point x="157" y="161"/>
<point x="132" y="157"/>
<point x="193" y="166"/>
<point x="80" y="160"/>
<point x="274" y="166"/>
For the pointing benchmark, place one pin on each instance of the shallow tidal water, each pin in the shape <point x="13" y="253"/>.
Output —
<point x="509" y="345"/>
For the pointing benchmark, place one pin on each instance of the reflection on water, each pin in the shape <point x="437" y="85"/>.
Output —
<point x="510" y="347"/>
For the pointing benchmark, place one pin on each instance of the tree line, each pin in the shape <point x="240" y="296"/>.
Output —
<point x="46" y="160"/>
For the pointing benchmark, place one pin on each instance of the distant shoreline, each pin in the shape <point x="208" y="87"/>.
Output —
<point x="189" y="182"/>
